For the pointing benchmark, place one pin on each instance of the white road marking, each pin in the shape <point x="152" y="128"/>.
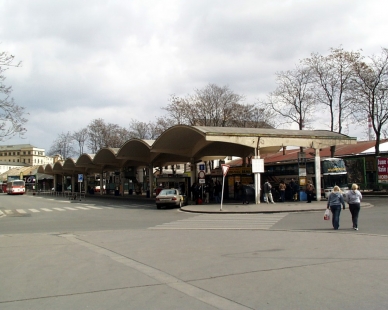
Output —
<point x="225" y="222"/>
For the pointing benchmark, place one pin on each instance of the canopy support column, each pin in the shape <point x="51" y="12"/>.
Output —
<point x="318" y="174"/>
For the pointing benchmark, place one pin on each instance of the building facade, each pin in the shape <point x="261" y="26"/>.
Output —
<point x="24" y="154"/>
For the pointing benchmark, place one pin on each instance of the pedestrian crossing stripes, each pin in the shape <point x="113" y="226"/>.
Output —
<point x="224" y="221"/>
<point x="38" y="210"/>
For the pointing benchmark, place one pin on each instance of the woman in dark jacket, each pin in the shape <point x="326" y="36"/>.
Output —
<point x="334" y="203"/>
<point x="354" y="199"/>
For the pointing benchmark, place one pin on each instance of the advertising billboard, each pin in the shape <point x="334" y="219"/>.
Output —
<point x="382" y="170"/>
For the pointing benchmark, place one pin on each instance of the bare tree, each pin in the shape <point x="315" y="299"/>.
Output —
<point x="11" y="115"/>
<point x="63" y="146"/>
<point x="101" y="134"/>
<point x="139" y="130"/>
<point x="331" y="77"/>
<point x="179" y="110"/>
<point x="370" y="95"/>
<point x="293" y="99"/>
<point x="80" y="137"/>
<point x="96" y="134"/>
<point x="210" y="106"/>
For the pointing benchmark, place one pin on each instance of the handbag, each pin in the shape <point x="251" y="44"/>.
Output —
<point x="326" y="216"/>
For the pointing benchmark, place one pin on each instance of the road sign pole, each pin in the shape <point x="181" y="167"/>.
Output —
<point x="225" y="169"/>
<point x="222" y="192"/>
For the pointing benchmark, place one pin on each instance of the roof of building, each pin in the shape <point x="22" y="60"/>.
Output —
<point x="361" y="148"/>
<point x="16" y="147"/>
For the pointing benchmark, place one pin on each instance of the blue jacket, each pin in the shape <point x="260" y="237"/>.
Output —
<point x="335" y="199"/>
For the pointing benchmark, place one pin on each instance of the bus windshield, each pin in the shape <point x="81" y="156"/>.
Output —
<point x="332" y="180"/>
<point x="335" y="165"/>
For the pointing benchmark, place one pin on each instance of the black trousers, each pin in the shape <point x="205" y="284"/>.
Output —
<point x="354" y="210"/>
<point x="309" y="196"/>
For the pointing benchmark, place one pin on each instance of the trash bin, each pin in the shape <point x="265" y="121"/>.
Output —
<point x="117" y="193"/>
<point x="130" y="191"/>
<point x="303" y="196"/>
<point x="148" y="194"/>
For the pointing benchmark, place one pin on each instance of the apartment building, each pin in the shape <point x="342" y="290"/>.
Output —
<point x="24" y="154"/>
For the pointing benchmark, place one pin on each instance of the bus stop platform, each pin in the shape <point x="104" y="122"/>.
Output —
<point x="263" y="207"/>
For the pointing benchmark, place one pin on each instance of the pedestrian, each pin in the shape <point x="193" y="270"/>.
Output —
<point x="334" y="202"/>
<point x="309" y="191"/>
<point x="243" y="194"/>
<point x="217" y="191"/>
<point x="353" y="197"/>
<point x="282" y="189"/>
<point x="207" y="194"/>
<point x="268" y="192"/>
<point x="294" y="190"/>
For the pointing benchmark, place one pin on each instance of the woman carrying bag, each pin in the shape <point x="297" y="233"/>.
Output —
<point x="334" y="203"/>
<point x="353" y="197"/>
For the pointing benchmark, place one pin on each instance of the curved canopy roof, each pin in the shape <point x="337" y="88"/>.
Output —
<point x="182" y="143"/>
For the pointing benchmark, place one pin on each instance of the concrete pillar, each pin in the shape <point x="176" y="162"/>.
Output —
<point x="318" y="174"/>
<point x="151" y="180"/>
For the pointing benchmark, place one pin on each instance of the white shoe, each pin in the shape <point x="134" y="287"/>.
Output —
<point x="272" y="202"/>
<point x="355" y="228"/>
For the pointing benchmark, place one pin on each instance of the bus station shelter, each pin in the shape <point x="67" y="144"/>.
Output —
<point x="194" y="144"/>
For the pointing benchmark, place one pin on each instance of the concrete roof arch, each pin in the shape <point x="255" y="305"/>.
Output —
<point x="135" y="152"/>
<point x="42" y="168"/>
<point x="196" y="142"/>
<point x="106" y="158"/>
<point x="86" y="161"/>
<point x="69" y="165"/>
<point x="58" y="167"/>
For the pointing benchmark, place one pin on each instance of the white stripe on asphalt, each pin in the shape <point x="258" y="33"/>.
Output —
<point x="224" y="222"/>
<point x="47" y="210"/>
<point x="59" y="209"/>
<point x="70" y="208"/>
<point x="21" y="210"/>
<point x="34" y="210"/>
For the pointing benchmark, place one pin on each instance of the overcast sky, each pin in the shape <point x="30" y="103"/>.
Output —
<point x="121" y="60"/>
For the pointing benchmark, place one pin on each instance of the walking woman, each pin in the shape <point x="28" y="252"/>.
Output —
<point x="334" y="203"/>
<point x="353" y="198"/>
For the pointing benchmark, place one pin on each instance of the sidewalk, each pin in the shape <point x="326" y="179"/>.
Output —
<point x="235" y="207"/>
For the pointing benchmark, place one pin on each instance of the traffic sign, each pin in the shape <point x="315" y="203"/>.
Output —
<point x="201" y="174"/>
<point x="80" y="178"/>
<point x="225" y="169"/>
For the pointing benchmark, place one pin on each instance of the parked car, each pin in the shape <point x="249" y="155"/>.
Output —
<point x="170" y="197"/>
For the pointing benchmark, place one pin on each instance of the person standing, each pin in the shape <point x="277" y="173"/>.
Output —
<point x="309" y="191"/>
<point x="282" y="189"/>
<point x="353" y="197"/>
<point x="268" y="192"/>
<point x="294" y="188"/>
<point x="217" y="191"/>
<point x="334" y="202"/>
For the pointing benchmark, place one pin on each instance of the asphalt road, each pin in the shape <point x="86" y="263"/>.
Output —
<point x="114" y="254"/>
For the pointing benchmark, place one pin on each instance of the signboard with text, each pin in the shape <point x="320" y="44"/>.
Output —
<point x="382" y="169"/>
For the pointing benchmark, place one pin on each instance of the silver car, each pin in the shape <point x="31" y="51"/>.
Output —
<point x="169" y="197"/>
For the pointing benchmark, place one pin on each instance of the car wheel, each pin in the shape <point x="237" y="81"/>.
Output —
<point x="180" y="204"/>
<point x="158" y="207"/>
